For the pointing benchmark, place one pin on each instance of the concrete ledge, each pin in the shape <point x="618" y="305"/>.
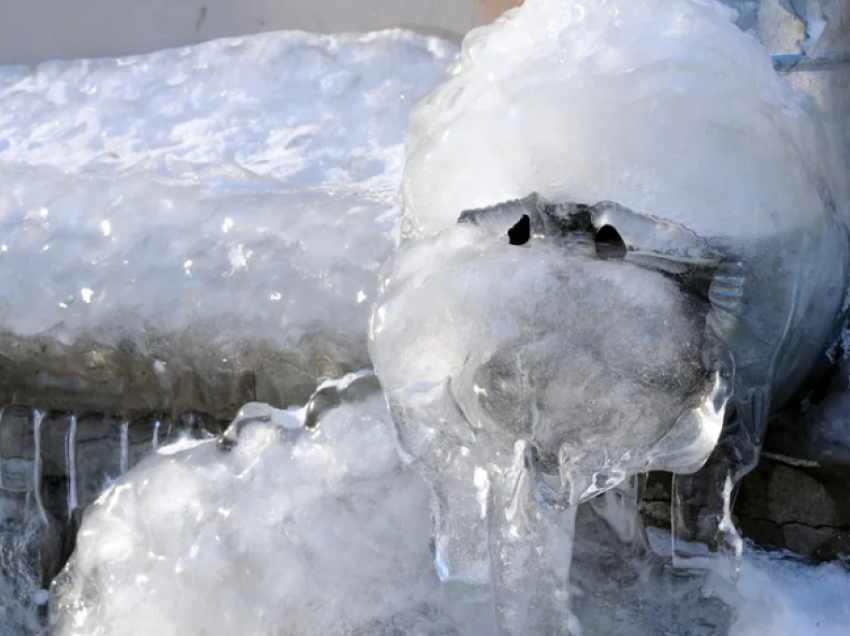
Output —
<point x="170" y="373"/>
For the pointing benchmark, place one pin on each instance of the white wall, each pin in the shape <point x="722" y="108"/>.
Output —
<point x="36" y="30"/>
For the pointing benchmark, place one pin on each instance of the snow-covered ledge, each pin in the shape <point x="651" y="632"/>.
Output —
<point x="199" y="228"/>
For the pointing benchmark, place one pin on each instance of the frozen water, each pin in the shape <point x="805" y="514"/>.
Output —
<point x="30" y="547"/>
<point x="201" y="214"/>
<point x="301" y="531"/>
<point x="565" y="98"/>
<point x="507" y="396"/>
<point x="190" y="287"/>
<point x="289" y="531"/>
<point x="325" y="532"/>
<point x="780" y="595"/>
<point x="183" y="231"/>
<point x="302" y="108"/>
<point x="824" y="22"/>
<point x="603" y="212"/>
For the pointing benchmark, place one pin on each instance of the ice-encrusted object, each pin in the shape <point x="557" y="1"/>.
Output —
<point x="288" y="529"/>
<point x="682" y="269"/>
<point x="198" y="228"/>
<point x="181" y="233"/>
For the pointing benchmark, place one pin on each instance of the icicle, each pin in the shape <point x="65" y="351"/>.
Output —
<point x="71" y="463"/>
<point x="2" y="471"/>
<point x="730" y="533"/>
<point x="620" y="508"/>
<point x="37" y="418"/>
<point x="125" y="446"/>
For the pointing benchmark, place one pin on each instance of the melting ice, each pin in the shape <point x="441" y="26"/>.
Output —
<point x="602" y="212"/>
<point x="322" y="529"/>
<point x="325" y="531"/>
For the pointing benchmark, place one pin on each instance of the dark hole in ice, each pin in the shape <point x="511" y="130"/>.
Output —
<point x="520" y="233"/>
<point x="609" y="243"/>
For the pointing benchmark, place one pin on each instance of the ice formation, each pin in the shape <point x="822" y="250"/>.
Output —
<point x="308" y="523"/>
<point x="565" y="98"/>
<point x="289" y="531"/>
<point x="182" y="231"/>
<point x="616" y="217"/>
<point x="221" y="209"/>
<point x="326" y="532"/>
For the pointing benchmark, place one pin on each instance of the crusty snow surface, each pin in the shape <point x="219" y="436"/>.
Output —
<point x="253" y="181"/>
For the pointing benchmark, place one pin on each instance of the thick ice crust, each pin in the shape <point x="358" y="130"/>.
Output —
<point x="200" y="227"/>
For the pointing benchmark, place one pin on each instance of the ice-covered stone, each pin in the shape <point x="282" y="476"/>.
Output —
<point x="287" y="531"/>
<point x="197" y="228"/>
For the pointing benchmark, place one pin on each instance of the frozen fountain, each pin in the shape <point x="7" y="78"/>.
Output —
<point x="539" y="330"/>
<point x="647" y="308"/>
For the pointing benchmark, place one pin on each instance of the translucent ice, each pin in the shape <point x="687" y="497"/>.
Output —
<point x="300" y="533"/>
<point x="289" y="531"/>
<point x="603" y="218"/>
<point x="525" y="380"/>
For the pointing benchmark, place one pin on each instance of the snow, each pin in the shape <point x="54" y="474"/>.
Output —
<point x="563" y="99"/>
<point x="223" y="205"/>
<point x="289" y="531"/>
<point x="782" y="597"/>
<point x="328" y="533"/>
<point x="250" y="187"/>
<point x="779" y="594"/>
<point x="189" y="218"/>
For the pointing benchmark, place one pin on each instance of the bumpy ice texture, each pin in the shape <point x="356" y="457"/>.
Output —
<point x="621" y="101"/>
<point x="328" y="534"/>
<point x="527" y="368"/>
<point x="288" y="532"/>
<point x="221" y="209"/>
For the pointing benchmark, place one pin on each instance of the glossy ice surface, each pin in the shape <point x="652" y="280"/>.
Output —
<point x="326" y="532"/>
<point x="687" y="244"/>
<point x="202" y="214"/>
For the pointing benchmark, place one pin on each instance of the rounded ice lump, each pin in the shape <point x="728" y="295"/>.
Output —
<point x="622" y="234"/>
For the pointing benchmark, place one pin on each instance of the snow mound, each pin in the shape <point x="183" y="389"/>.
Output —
<point x="218" y="211"/>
